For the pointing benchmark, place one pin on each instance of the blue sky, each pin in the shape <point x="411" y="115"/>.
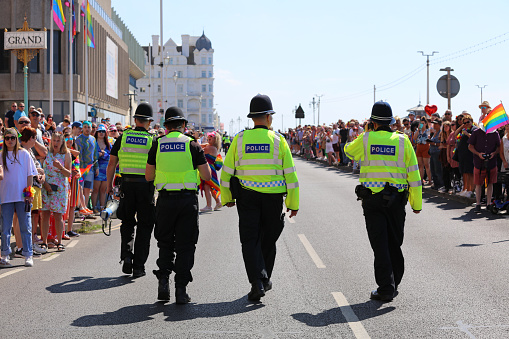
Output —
<point x="293" y="50"/>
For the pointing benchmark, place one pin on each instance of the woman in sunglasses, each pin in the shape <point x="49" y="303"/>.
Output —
<point x="16" y="194"/>
<point x="465" y="157"/>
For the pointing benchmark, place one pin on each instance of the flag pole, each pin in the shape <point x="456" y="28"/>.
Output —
<point x="86" y="65"/>
<point x="51" y="61"/>
<point x="71" y="103"/>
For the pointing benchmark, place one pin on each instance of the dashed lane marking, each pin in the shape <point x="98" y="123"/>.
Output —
<point x="311" y="251"/>
<point x="72" y="244"/>
<point x="51" y="257"/>
<point x="10" y="272"/>
<point x="290" y="220"/>
<point x="355" y="325"/>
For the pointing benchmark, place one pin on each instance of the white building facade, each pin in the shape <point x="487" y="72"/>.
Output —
<point x="181" y="76"/>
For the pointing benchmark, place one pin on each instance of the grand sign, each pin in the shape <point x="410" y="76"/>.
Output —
<point x="25" y="40"/>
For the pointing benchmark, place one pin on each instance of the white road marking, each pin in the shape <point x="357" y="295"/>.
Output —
<point x="291" y="221"/>
<point x="72" y="244"/>
<point x="312" y="253"/>
<point x="357" y="328"/>
<point x="6" y="274"/>
<point x="51" y="257"/>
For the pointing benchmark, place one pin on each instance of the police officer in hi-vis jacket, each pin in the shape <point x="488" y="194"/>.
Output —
<point x="259" y="171"/>
<point x="175" y="163"/>
<point x="389" y="177"/>
<point x="137" y="205"/>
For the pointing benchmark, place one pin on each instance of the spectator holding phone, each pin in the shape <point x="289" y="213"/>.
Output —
<point x="16" y="194"/>
<point x="57" y="167"/>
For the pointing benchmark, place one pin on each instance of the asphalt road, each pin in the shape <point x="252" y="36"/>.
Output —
<point x="455" y="284"/>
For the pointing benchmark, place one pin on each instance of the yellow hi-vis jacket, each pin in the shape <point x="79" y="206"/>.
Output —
<point x="263" y="162"/>
<point x="387" y="157"/>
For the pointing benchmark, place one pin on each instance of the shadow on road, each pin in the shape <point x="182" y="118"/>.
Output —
<point x="82" y="284"/>
<point x="172" y="312"/>
<point x="366" y="310"/>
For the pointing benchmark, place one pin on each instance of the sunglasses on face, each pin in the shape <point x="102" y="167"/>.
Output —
<point x="24" y="122"/>
<point x="448" y="113"/>
<point x="11" y="138"/>
<point x="483" y="107"/>
<point x="14" y="106"/>
<point x="101" y="132"/>
<point x="21" y="106"/>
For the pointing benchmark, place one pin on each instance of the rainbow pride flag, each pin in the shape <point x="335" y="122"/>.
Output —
<point x="58" y="14"/>
<point x="495" y="119"/>
<point x="89" y="30"/>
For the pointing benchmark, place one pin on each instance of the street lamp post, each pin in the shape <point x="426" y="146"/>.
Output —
<point x="481" y="87"/>
<point x="427" y="66"/>
<point x="175" y="78"/>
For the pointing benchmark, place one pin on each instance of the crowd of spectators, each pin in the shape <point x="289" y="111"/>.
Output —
<point x="454" y="155"/>
<point x="50" y="173"/>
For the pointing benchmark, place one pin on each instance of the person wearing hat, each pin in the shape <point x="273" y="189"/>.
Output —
<point x="485" y="109"/>
<point x="137" y="206"/>
<point x="258" y="171"/>
<point x="89" y="155"/>
<point x="389" y="177"/>
<point x="411" y="117"/>
<point x="175" y="163"/>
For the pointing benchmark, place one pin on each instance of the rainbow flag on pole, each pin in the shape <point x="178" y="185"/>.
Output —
<point x="58" y="14"/>
<point x="89" y="30"/>
<point x="495" y="119"/>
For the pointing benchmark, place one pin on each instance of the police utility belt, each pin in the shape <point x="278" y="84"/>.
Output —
<point x="166" y="193"/>
<point x="390" y="194"/>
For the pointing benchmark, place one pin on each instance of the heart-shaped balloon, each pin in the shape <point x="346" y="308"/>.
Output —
<point x="430" y="109"/>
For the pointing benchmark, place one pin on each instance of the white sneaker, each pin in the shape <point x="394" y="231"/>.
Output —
<point x="29" y="261"/>
<point x="4" y="262"/>
<point x="442" y="190"/>
<point x="38" y="249"/>
<point x="206" y="209"/>
<point x="218" y="207"/>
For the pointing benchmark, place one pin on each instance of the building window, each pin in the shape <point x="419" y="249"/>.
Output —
<point x="204" y="103"/>
<point x="180" y="88"/>
<point x="203" y="60"/>
<point x="210" y="103"/>
<point x="5" y="55"/>
<point x="210" y="74"/>
<point x="142" y="89"/>
<point x="210" y="61"/>
<point x="179" y="74"/>
<point x="158" y="88"/>
<point x="171" y="61"/>
<point x="158" y="74"/>
<point x="56" y="52"/>
<point x="142" y="100"/>
<point x="204" y="88"/>
<point x="211" y="88"/>
<point x="204" y="118"/>
<point x="211" y="118"/>
<point x="180" y="103"/>
<point x="203" y="74"/>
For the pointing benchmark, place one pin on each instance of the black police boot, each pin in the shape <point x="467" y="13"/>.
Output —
<point x="267" y="285"/>
<point x="257" y="291"/>
<point x="382" y="297"/>
<point x="182" y="296"/>
<point x="127" y="267"/>
<point x="138" y="272"/>
<point x="163" y="290"/>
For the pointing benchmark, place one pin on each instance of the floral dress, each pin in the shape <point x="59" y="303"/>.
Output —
<point x="55" y="202"/>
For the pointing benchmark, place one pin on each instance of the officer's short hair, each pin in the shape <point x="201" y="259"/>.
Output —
<point x="174" y="124"/>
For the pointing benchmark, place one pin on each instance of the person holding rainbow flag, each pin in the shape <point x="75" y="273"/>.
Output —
<point x="215" y="161"/>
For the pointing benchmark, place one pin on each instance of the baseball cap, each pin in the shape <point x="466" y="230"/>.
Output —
<point x="87" y="123"/>
<point x="77" y="124"/>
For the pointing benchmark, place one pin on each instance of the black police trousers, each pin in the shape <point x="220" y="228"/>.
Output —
<point x="385" y="231"/>
<point x="136" y="209"/>
<point x="176" y="233"/>
<point x="261" y="222"/>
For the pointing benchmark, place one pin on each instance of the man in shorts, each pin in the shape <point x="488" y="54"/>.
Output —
<point x="86" y="145"/>
<point x="485" y="147"/>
